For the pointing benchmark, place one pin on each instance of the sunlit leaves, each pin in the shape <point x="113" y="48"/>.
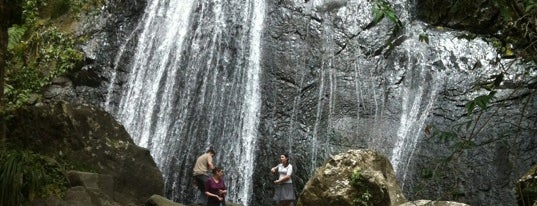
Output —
<point x="482" y="101"/>
<point x="15" y="34"/>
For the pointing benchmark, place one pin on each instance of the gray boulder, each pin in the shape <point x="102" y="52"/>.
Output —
<point x="332" y="183"/>
<point x="157" y="200"/>
<point x="433" y="203"/>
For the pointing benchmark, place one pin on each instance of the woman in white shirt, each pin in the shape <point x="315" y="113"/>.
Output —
<point x="284" y="193"/>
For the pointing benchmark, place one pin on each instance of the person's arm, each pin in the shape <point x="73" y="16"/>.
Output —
<point x="213" y="195"/>
<point x="222" y="192"/>
<point x="210" y="163"/>
<point x="274" y="169"/>
<point x="283" y="179"/>
<point x="211" y="166"/>
<point x="209" y="194"/>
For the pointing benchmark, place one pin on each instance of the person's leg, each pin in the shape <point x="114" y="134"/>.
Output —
<point x="203" y="179"/>
<point x="200" y="180"/>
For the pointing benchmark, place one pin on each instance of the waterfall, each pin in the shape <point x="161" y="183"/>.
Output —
<point x="425" y="75"/>
<point x="417" y="100"/>
<point x="252" y="100"/>
<point x="193" y="83"/>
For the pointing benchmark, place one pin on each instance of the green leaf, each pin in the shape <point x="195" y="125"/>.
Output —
<point x="15" y="34"/>
<point x="377" y="16"/>
<point x="482" y="101"/>
<point x="470" y="106"/>
<point x="424" y="38"/>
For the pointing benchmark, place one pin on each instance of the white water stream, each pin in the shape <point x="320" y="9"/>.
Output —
<point x="182" y="89"/>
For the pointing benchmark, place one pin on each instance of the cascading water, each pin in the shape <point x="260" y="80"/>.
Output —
<point x="394" y="122"/>
<point x="417" y="100"/>
<point x="424" y="79"/>
<point x="193" y="83"/>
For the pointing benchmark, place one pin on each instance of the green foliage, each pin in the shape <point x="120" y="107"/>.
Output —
<point x="25" y="175"/>
<point x="356" y="181"/>
<point x="356" y="178"/>
<point x="381" y="9"/>
<point x="37" y="53"/>
<point x="480" y="101"/>
<point x="483" y="100"/>
<point x="518" y="35"/>
<point x="426" y="173"/>
<point x="364" y="199"/>
<point x="15" y="34"/>
<point x="30" y="11"/>
<point x="424" y="38"/>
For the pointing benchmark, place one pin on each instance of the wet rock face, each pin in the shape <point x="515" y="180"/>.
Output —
<point x="106" y="30"/>
<point x="331" y="82"/>
<point x="479" y="16"/>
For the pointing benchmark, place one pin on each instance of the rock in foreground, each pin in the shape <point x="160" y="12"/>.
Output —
<point x="92" y="139"/>
<point x="375" y="182"/>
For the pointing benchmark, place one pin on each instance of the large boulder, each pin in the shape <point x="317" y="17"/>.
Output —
<point x="432" y="203"/>
<point x="157" y="200"/>
<point x="91" y="139"/>
<point x="357" y="176"/>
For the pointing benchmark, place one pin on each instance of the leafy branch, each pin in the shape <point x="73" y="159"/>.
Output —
<point x="519" y="27"/>
<point x="382" y="9"/>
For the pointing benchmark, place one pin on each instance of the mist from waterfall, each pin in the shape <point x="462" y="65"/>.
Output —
<point x="193" y="84"/>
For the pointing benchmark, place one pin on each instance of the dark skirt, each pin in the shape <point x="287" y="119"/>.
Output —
<point x="284" y="192"/>
<point x="213" y="202"/>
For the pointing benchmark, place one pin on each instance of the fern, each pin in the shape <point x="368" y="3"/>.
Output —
<point x="15" y="36"/>
<point x="25" y="175"/>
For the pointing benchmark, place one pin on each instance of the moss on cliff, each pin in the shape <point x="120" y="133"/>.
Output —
<point x="43" y="46"/>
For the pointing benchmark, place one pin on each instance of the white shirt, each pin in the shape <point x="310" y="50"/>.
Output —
<point x="284" y="171"/>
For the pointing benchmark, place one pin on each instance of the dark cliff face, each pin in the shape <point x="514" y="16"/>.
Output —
<point x="108" y="30"/>
<point x="478" y="16"/>
<point x="331" y="82"/>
